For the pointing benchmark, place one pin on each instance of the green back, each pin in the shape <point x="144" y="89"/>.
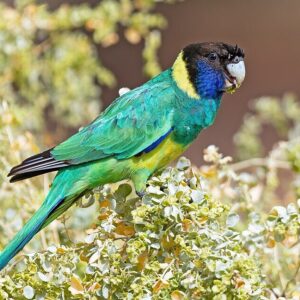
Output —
<point x="126" y="127"/>
<point x="138" y="119"/>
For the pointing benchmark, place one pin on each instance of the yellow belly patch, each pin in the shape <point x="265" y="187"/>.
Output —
<point x="161" y="156"/>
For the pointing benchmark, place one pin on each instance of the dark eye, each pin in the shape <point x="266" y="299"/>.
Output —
<point x="212" y="56"/>
<point x="236" y="60"/>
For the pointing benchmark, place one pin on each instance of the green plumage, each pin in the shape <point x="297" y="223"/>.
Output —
<point x="127" y="127"/>
<point x="141" y="132"/>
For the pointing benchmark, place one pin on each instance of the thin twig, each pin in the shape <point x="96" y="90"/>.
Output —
<point x="19" y="259"/>
<point x="260" y="162"/>
<point x="63" y="220"/>
<point x="43" y="240"/>
<point x="55" y="234"/>
<point x="291" y="280"/>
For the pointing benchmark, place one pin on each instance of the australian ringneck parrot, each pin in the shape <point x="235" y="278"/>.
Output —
<point x="139" y="133"/>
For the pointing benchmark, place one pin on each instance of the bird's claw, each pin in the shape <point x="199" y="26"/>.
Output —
<point x="140" y="194"/>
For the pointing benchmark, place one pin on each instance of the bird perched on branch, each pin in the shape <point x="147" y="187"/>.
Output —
<point x="139" y="133"/>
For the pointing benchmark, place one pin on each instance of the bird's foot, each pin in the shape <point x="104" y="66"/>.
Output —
<point x="141" y="194"/>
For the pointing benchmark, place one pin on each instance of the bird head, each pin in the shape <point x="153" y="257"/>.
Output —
<point x="207" y="70"/>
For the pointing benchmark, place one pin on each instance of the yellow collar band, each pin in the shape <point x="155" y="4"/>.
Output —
<point x="181" y="77"/>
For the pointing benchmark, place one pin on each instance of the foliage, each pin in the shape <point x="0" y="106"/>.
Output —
<point x="175" y="243"/>
<point x="20" y="200"/>
<point x="280" y="114"/>
<point x="49" y="59"/>
<point x="223" y="230"/>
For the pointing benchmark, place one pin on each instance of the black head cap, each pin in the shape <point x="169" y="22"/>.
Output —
<point x="217" y="54"/>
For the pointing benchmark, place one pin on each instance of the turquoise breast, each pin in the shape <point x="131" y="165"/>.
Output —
<point x="193" y="116"/>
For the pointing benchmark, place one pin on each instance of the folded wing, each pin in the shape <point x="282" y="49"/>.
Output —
<point x="135" y="123"/>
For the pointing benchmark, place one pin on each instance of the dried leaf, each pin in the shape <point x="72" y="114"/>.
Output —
<point x="186" y="224"/>
<point x="160" y="284"/>
<point x="178" y="295"/>
<point x="124" y="229"/>
<point x="76" y="287"/>
<point x="142" y="260"/>
<point x="94" y="287"/>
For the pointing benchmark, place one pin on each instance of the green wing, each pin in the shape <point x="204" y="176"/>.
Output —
<point x="130" y="125"/>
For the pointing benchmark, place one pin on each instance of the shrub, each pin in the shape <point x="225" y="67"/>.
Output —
<point x="50" y="63"/>
<point x="176" y="243"/>
<point x="222" y="230"/>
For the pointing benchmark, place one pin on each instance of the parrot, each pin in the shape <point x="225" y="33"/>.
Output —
<point x="140" y="133"/>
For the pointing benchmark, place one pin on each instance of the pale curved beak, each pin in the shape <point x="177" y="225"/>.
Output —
<point x="236" y="75"/>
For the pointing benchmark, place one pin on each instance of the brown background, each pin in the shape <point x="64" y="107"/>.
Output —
<point x="269" y="32"/>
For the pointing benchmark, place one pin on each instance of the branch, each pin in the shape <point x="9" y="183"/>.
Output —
<point x="260" y="162"/>
<point x="291" y="280"/>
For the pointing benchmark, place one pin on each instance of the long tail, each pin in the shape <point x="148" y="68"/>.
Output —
<point x="54" y="205"/>
<point x="25" y="235"/>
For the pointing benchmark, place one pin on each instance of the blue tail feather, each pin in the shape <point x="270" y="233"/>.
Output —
<point x="63" y="193"/>
<point x="27" y="232"/>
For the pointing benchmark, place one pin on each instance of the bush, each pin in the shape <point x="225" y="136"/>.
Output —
<point x="210" y="233"/>
<point x="177" y="243"/>
<point x="49" y="59"/>
<point x="223" y="231"/>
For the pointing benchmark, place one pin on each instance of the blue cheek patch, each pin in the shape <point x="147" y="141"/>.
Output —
<point x="209" y="82"/>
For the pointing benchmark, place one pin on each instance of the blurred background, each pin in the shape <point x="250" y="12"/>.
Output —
<point x="267" y="31"/>
<point x="63" y="62"/>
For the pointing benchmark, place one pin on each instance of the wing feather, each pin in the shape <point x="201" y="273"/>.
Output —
<point x="134" y="123"/>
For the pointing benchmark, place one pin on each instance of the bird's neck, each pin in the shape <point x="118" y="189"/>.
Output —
<point x="194" y="116"/>
<point x="181" y="77"/>
<point x="194" y="112"/>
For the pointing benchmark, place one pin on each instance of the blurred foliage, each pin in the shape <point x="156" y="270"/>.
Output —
<point x="49" y="62"/>
<point x="228" y="230"/>
<point x="19" y="201"/>
<point x="223" y="231"/>
<point x="280" y="114"/>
